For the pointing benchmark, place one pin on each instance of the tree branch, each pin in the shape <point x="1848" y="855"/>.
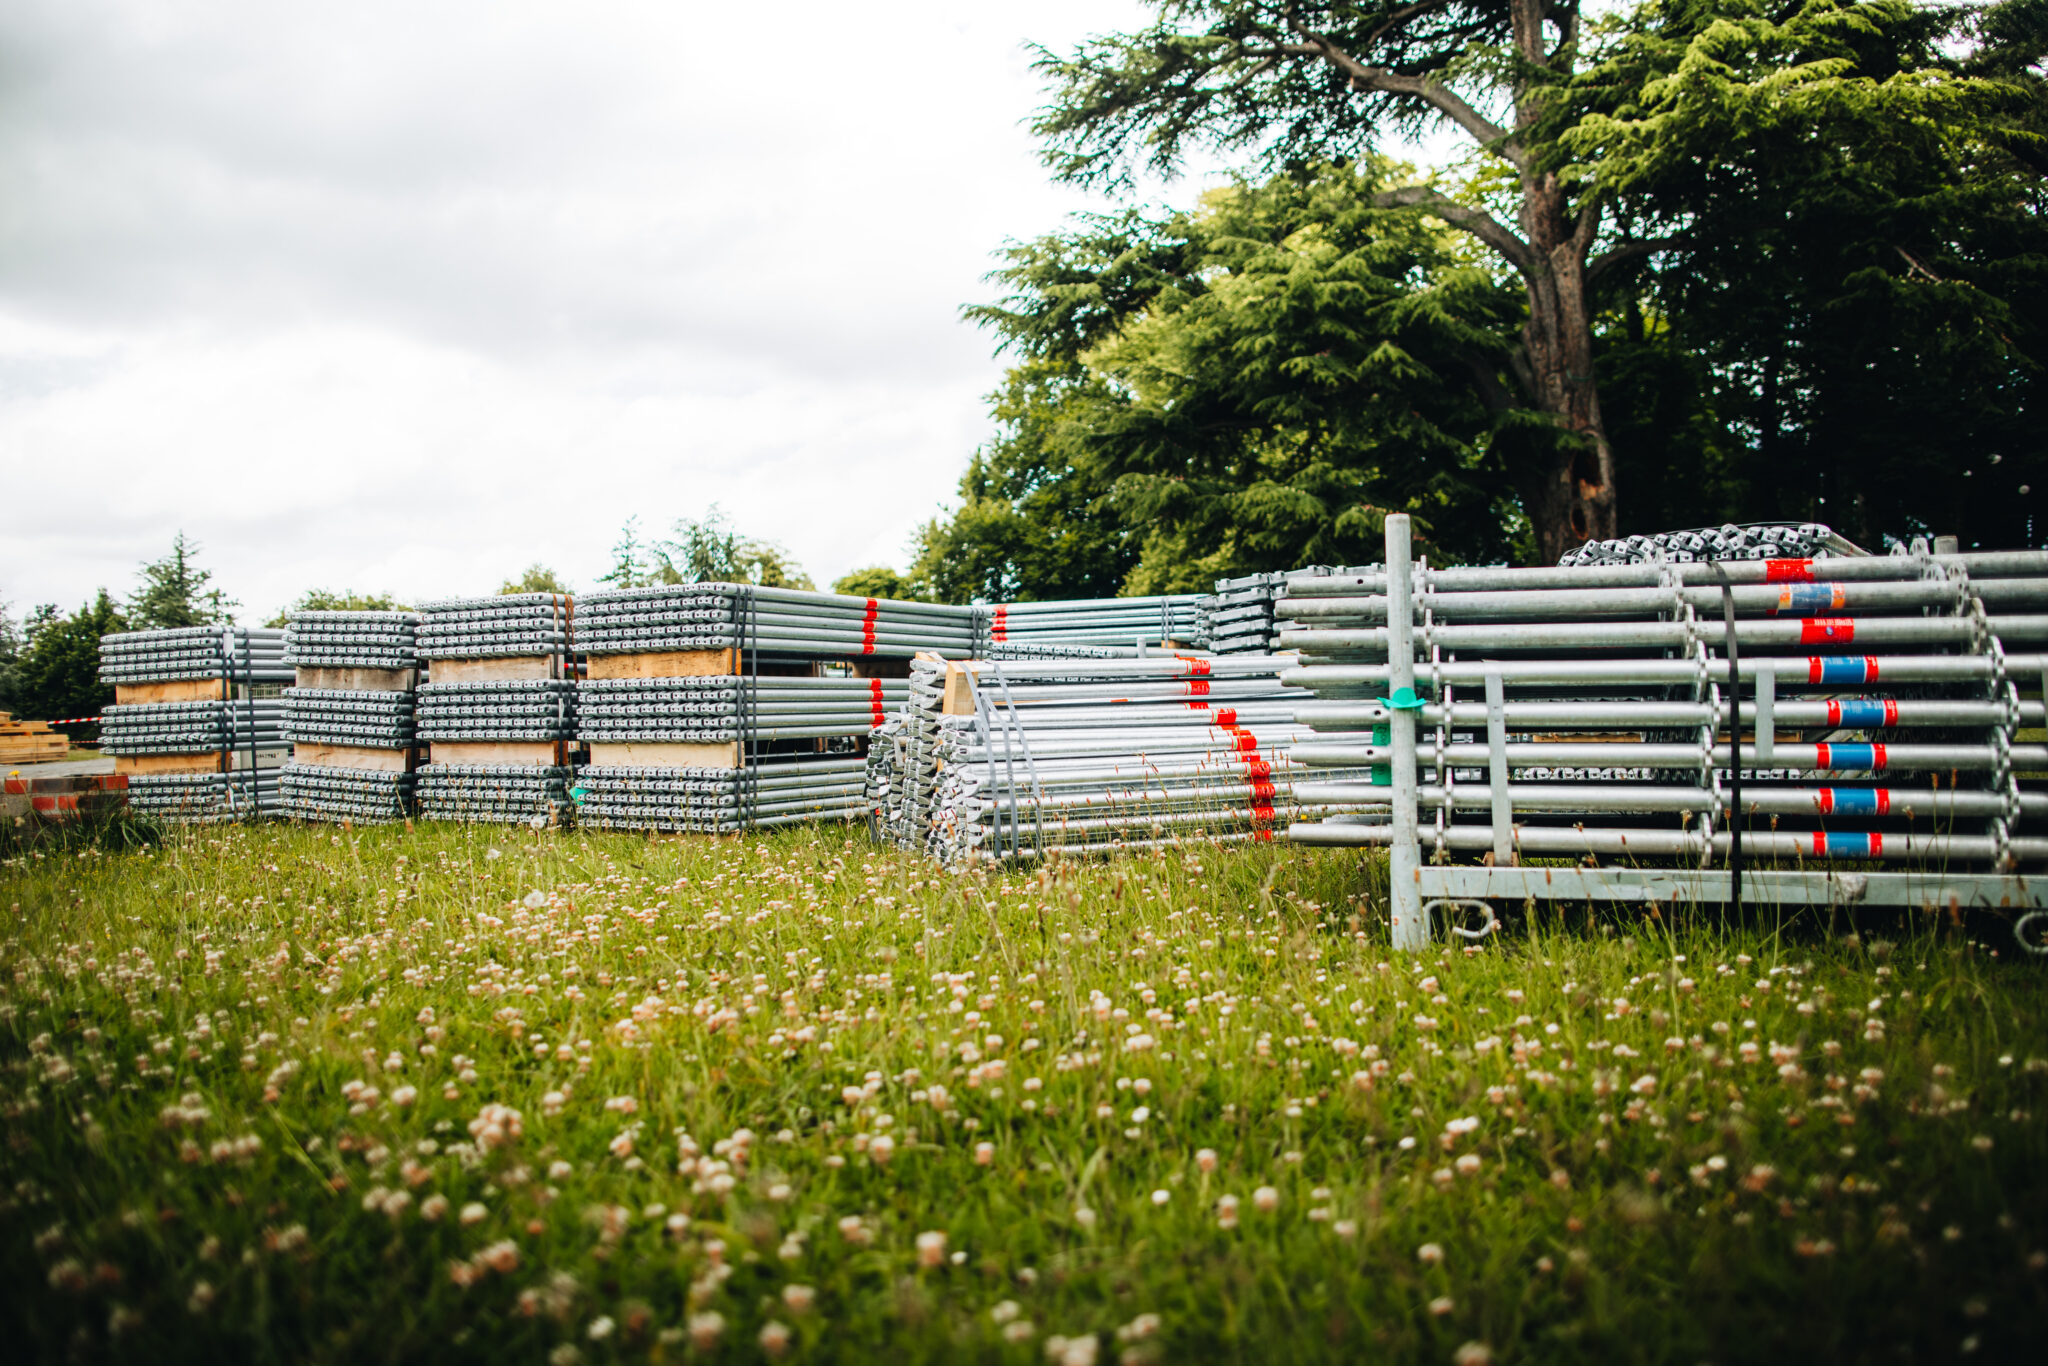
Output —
<point x="1379" y="78"/>
<point x="1479" y="223"/>
<point x="1621" y="255"/>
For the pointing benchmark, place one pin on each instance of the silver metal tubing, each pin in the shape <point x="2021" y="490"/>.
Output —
<point x="1843" y="756"/>
<point x="1843" y="569"/>
<point x="1544" y="841"/>
<point x="1854" y="714"/>
<point x="1410" y="923"/>
<point x="1817" y="671"/>
<point x="1914" y="803"/>
<point x="1831" y="633"/>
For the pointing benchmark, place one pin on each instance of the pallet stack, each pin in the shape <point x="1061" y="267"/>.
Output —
<point x="723" y="707"/>
<point x="349" y="716"/>
<point x="197" y="721"/>
<point x="30" y="742"/>
<point x="497" y="711"/>
<point x="1002" y="760"/>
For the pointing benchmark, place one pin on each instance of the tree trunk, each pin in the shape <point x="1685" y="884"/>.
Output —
<point x="1574" y="494"/>
<point x="1573" y="498"/>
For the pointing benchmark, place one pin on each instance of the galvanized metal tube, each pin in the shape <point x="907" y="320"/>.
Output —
<point x="1410" y="925"/>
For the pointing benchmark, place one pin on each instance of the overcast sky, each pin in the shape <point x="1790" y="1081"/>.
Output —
<point x="404" y="297"/>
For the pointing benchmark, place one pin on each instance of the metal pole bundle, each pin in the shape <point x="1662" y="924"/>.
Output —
<point x="196" y="725"/>
<point x="1824" y="710"/>
<point x="351" y="721"/>
<point x="1061" y="755"/>
<point x="786" y="622"/>
<point x="499" y="709"/>
<point x="1126" y="625"/>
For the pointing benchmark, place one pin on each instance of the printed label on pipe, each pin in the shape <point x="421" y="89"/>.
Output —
<point x="1197" y="687"/>
<point x="1854" y="801"/>
<point x="1849" y="756"/>
<point x="1863" y="712"/>
<point x="1810" y="597"/>
<point x="1831" y="845"/>
<point x="1840" y="669"/>
<point x="1827" y="631"/>
<point x="1788" y="571"/>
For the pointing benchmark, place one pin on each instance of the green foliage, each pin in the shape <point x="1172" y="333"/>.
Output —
<point x="57" y="673"/>
<point x="1852" y="263"/>
<point x="704" y="551"/>
<point x="348" y="600"/>
<point x="876" y="581"/>
<point x="1810" y="235"/>
<point x="1250" y="386"/>
<point x="175" y="593"/>
<point x="538" y="578"/>
<point x="257" y="1078"/>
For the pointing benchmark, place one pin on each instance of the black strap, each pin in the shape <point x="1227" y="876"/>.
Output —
<point x="1734" y="738"/>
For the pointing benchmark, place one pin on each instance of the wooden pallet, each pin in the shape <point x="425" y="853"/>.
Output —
<point x="359" y="680"/>
<point x="516" y="668"/>
<point x="30" y="742"/>
<point x="537" y="753"/>
<point x="726" y="755"/>
<point x="182" y="690"/>
<point x="354" y="756"/>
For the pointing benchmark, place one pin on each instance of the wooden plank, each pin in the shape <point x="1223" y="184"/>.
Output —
<point x="958" y="698"/>
<point x="360" y="680"/>
<point x="353" y="756"/>
<point x="33" y="749"/>
<point x="516" y="668"/>
<point x="183" y="690"/>
<point x="725" y="755"/>
<point x="194" y="763"/>
<point x="541" y="753"/>
<point x="665" y="664"/>
<point x="167" y="763"/>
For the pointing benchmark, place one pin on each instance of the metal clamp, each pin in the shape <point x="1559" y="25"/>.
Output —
<point x="1465" y="904"/>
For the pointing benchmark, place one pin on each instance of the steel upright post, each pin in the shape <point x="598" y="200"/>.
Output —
<point x="1411" y="929"/>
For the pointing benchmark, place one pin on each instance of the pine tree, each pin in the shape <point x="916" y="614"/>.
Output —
<point x="175" y="592"/>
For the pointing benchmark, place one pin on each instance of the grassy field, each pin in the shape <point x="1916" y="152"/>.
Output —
<point x="475" y="1094"/>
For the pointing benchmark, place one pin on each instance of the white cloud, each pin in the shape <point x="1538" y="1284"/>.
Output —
<point x="406" y="296"/>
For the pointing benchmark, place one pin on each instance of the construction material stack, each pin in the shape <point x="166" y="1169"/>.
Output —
<point x="720" y="707"/>
<point x="1119" y="627"/>
<point x="349" y="716"/>
<point x="197" y="721"/>
<point x="996" y="759"/>
<point x="1241" y="618"/>
<point x="30" y="742"/>
<point x="497" y="711"/>
<point x="1865" y="709"/>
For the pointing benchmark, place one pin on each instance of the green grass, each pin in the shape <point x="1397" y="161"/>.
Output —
<point x="1466" y="1154"/>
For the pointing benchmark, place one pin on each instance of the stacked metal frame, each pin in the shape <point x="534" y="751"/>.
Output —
<point x="1088" y="755"/>
<point x="723" y="708"/>
<point x="511" y="626"/>
<point x="1754" y="541"/>
<point x="353" y="745"/>
<point x="1242" y="620"/>
<point x="205" y="798"/>
<point x="248" y="655"/>
<point x="1126" y="625"/>
<point x="1595" y="713"/>
<point x="193" y="728"/>
<point x="499" y="709"/>
<point x="779" y="623"/>
<point x="708" y="709"/>
<point x="196" y="724"/>
<point x="785" y="789"/>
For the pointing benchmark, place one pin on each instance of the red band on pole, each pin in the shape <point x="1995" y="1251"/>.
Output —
<point x="1788" y="571"/>
<point x="1827" y="631"/>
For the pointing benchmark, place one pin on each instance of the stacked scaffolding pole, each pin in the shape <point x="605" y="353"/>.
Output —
<point x="351" y="718"/>
<point x="197" y="724"/>
<point x="1585" y="713"/>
